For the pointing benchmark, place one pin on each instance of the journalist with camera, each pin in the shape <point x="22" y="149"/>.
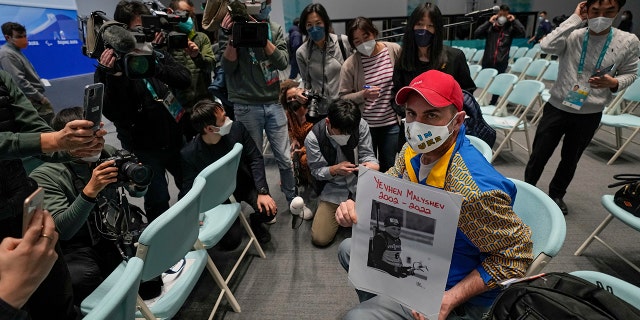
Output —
<point x="253" y="83"/>
<point x="144" y="110"/>
<point x="85" y="202"/>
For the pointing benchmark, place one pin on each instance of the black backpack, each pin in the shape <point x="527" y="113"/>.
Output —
<point x="559" y="296"/>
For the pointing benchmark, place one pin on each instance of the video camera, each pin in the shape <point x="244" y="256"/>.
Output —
<point x="161" y="21"/>
<point x="129" y="169"/>
<point x="247" y="33"/>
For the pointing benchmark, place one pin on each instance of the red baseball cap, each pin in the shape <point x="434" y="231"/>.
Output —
<point x="438" y="88"/>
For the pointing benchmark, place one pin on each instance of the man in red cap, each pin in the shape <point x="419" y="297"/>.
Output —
<point x="492" y="244"/>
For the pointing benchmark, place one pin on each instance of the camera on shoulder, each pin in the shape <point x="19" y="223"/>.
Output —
<point x="129" y="169"/>
<point x="245" y="32"/>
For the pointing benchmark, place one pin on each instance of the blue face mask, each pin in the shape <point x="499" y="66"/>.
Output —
<point x="423" y="37"/>
<point x="264" y="13"/>
<point x="316" y="33"/>
<point x="186" y="26"/>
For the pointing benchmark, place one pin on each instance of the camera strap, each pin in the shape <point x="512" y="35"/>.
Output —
<point x="170" y="102"/>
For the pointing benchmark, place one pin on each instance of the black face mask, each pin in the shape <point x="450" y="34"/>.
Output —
<point x="423" y="37"/>
<point x="295" y="105"/>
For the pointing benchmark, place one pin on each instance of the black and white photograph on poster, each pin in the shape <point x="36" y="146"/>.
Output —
<point x="390" y="228"/>
<point x="402" y="244"/>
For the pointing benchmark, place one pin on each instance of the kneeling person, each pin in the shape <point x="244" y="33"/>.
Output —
<point x="217" y="134"/>
<point x="335" y="147"/>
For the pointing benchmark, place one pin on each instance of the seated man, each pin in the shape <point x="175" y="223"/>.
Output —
<point x="492" y="243"/>
<point x="217" y="135"/>
<point x="335" y="147"/>
<point x="71" y="195"/>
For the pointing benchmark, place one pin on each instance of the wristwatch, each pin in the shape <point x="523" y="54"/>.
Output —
<point x="263" y="190"/>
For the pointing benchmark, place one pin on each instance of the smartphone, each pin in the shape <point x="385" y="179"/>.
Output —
<point x="603" y="71"/>
<point x="32" y="203"/>
<point x="93" y="96"/>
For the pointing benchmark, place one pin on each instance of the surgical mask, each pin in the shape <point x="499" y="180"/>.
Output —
<point x="264" y="13"/>
<point x="423" y="37"/>
<point x="540" y="18"/>
<point x="600" y="24"/>
<point x="366" y="48"/>
<point x="91" y="159"/>
<point x="424" y="138"/>
<point x="316" y="33"/>
<point x="226" y="127"/>
<point x="340" y="139"/>
<point x="502" y="20"/>
<point x="186" y="26"/>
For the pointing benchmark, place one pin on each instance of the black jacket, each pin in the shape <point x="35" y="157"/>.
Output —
<point x="143" y="123"/>
<point x="498" y="44"/>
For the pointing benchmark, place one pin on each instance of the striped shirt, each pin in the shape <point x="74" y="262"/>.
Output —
<point x="378" y="71"/>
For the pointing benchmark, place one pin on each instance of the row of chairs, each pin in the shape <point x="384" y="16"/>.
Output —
<point x="185" y="231"/>
<point x="474" y="56"/>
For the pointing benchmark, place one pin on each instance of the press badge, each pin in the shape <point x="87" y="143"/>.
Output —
<point x="576" y="97"/>
<point x="173" y="106"/>
<point x="269" y="72"/>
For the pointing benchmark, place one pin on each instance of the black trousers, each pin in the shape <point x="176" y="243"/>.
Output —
<point x="577" y="129"/>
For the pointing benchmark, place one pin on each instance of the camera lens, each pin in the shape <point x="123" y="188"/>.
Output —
<point x="139" y="174"/>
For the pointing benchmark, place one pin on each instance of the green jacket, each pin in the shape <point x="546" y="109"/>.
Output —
<point x="200" y="68"/>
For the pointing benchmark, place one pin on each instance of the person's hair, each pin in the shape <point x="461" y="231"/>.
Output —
<point x="66" y="115"/>
<point x="543" y="12"/>
<point x="284" y="87"/>
<point x="127" y="10"/>
<point x="620" y="3"/>
<point x="319" y="10"/>
<point x="296" y="21"/>
<point x="628" y="14"/>
<point x="344" y="115"/>
<point x="505" y="7"/>
<point x="174" y="3"/>
<point x="409" y="55"/>
<point x="9" y="27"/>
<point x="203" y="114"/>
<point x="363" y="24"/>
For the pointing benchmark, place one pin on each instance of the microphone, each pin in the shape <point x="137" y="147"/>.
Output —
<point x="119" y="38"/>
<point x="493" y="9"/>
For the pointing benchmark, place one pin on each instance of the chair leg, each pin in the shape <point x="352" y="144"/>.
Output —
<point x="144" y="309"/>
<point x="594" y="234"/>
<point x="256" y="244"/>
<point x="621" y="149"/>
<point x="217" y="277"/>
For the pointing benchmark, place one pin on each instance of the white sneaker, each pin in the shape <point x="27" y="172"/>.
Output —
<point x="298" y="208"/>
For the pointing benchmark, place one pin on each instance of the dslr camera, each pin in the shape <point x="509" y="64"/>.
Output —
<point x="161" y="21"/>
<point x="314" y="103"/>
<point x="245" y="32"/>
<point x="129" y="169"/>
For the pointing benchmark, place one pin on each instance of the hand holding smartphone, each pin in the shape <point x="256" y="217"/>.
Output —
<point x="32" y="203"/>
<point x="603" y="71"/>
<point x="93" y="101"/>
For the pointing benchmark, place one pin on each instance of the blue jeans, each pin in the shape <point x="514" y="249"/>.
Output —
<point x="271" y="119"/>
<point x="385" y="140"/>
<point x="383" y="308"/>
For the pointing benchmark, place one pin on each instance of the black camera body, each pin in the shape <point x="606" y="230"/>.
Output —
<point x="166" y="23"/>
<point x="129" y="169"/>
<point x="314" y="103"/>
<point x="250" y="34"/>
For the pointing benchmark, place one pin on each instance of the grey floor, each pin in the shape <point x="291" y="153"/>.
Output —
<point x="300" y="281"/>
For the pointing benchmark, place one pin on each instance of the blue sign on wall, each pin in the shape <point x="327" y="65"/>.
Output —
<point x="55" y="45"/>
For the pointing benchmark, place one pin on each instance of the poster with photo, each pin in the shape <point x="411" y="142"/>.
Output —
<point x="402" y="244"/>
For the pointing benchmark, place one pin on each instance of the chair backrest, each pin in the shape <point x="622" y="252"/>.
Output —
<point x="474" y="69"/>
<point x="484" y="77"/>
<point x="543" y="216"/>
<point x="532" y="53"/>
<point x="482" y="146"/>
<point x="469" y="52"/>
<point x="512" y="51"/>
<point x="119" y="303"/>
<point x="537" y="68"/>
<point x="169" y="237"/>
<point x="220" y="179"/>
<point x="502" y="84"/>
<point x="520" y="65"/>
<point x="619" y="288"/>
<point x="520" y="52"/>
<point x="477" y="56"/>
<point x="551" y="74"/>
<point x="525" y="92"/>
<point x="632" y="93"/>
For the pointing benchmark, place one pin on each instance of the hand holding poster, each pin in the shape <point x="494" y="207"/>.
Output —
<point x="402" y="244"/>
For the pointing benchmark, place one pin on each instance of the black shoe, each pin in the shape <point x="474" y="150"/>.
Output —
<point x="261" y="232"/>
<point x="562" y="205"/>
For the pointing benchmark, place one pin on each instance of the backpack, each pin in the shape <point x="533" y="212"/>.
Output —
<point x="559" y="296"/>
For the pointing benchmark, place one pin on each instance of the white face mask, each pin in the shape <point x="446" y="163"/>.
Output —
<point x="502" y="20"/>
<point x="424" y="138"/>
<point x="226" y="127"/>
<point x="340" y="139"/>
<point x="600" y="24"/>
<point x="366" y="48"/>
<point x="92" y="158"/>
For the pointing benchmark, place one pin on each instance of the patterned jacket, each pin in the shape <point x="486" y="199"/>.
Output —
<point x="491" y="238"/>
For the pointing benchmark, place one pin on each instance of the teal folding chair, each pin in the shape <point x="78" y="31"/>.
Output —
<point x="474" y="69"/>
<point x="166" y="241"/>
<point x="619" y="288"/>
<point x="614" y="212"/>
<point x="477" y="56"/>
<point x="547" y="223"/>
<point x="501" y="86"/>
<point x="520" y="52"/>
<point x="469" y="52"/>
<point x="533" y="53"/>
<point x="536" y="69"/>
<point x="217" y="218"/>
<point x="482" y="146"/>
<point x="512" y="51"/>
<point x="525" y="93"/>
<point x="520" y="66"/>
<point x="119" y="303"/>
<point x="484" y="79"/>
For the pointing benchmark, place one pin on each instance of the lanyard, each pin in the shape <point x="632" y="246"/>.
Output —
<point x="151" y="90"/>
<point x="585" y="42"/>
